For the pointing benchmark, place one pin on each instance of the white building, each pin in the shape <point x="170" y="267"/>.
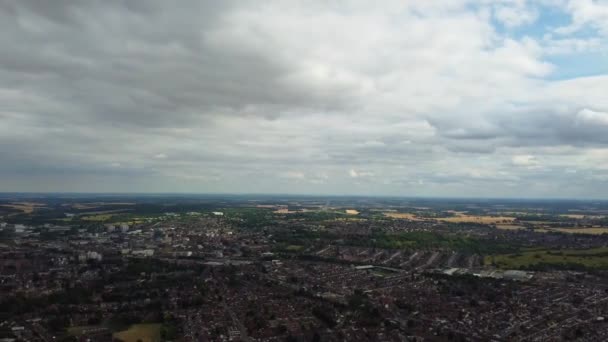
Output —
<point x="90" y="255"/>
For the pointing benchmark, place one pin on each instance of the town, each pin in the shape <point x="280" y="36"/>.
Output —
<point x="301" y="269"/>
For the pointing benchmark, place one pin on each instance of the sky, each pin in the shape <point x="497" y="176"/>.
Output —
<point x="487" y="98"/>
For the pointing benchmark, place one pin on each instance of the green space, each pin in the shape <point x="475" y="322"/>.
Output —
<point x="147" y="332"/>
<point x="294" y="248"/>
<point x="99" y="217"/>
<point x="543" y="259"/>
<point x="408" y="240"/>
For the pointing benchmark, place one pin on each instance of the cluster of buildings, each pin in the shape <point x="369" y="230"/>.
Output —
<point x="206" y="278"/>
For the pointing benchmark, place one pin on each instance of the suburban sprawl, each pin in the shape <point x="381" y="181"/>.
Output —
<point x="301" y="268"/>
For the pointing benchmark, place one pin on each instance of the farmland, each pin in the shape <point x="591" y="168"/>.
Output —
<point x="464" y="218"/>
<point x="25" y="207"/>
<point x="457" y="218"/>
<point x="408" y="216"/>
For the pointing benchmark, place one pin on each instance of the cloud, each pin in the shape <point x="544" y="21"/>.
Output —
<point x="293" y="175"/>
<point x="586" y="14"/>
<point x="525" y="160"/>
<point x="589" y="117"/>
<point x="515" y="14"/>
<point x="411" y="97"/>
<point x="360" y="174"/>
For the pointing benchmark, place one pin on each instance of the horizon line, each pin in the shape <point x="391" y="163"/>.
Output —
<point x="124" y="194"/>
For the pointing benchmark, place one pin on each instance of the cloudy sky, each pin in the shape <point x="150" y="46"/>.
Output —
<point x="412" y="98"/>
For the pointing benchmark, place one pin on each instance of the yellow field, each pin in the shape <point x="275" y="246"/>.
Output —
<point x="352" y="212"/>
<point x="285" y="211"/>
<point x="456" y="212"/>
<point x="144" y="332"/>
<point x="408" y="216"/>
<point x="459" y="217"/>
<point x="509" y="226"/>
<point x="26" y="207"/>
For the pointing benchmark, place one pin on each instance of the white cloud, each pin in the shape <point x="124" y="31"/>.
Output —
<point x="586" y="13"/>
<point x="515" y="14"/>
<point x="589" y="117"/>
<point x="293" y="175"/>
<point x="562" y="46"/>
<point x="524" y="160"/>
<point x="360" y="174"/>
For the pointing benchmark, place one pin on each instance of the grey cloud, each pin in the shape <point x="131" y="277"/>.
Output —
<point x="240" y="96"/>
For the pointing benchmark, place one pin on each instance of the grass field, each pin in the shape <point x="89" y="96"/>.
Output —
<point x="590" y="258"/>
<point x="100" y="217"/>
<point x="294" y="248"/>
<point x="145" y="332"/>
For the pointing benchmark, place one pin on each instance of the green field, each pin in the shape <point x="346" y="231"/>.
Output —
<point x="294" y="248"/>
<point x="595" y="258"/>
<point x="149" y="332"/>
<point x="99" y="217"/>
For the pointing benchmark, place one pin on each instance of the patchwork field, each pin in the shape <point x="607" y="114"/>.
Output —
<point x="26" y="207"/>
<point x="463" y="218"/>
<point x="459" y="217"/>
